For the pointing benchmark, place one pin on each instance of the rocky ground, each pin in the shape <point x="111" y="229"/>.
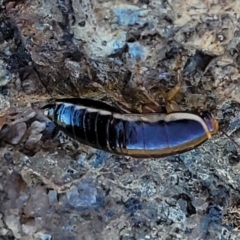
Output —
<point x="128" y="53"/>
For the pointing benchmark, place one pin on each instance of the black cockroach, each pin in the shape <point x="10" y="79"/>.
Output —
<point x="137" y="135"/>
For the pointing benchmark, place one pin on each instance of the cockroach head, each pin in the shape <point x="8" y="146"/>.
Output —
<point x="210" y="121"/>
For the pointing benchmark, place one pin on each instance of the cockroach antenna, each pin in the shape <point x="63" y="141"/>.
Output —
<point x="225" y="134"/>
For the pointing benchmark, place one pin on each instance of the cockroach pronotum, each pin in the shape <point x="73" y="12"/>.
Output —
<point x="152" y="135"/>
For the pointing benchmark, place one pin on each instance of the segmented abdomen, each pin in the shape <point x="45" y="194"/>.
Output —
<point x="129" y="134"/>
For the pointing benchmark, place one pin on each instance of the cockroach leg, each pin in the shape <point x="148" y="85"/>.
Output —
<point x="172" y="106"/>
<point x="115" y="97"/>
<point x="173" y="92"/>
<point x="123" y="108"/>
<point x="152" y="108"/>
<point x="148" y="96"/>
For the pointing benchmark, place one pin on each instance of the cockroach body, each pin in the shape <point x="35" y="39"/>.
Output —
<point x="152" y="135"/>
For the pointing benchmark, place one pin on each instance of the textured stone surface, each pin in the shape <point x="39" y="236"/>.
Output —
<point x="125" y="52"/>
